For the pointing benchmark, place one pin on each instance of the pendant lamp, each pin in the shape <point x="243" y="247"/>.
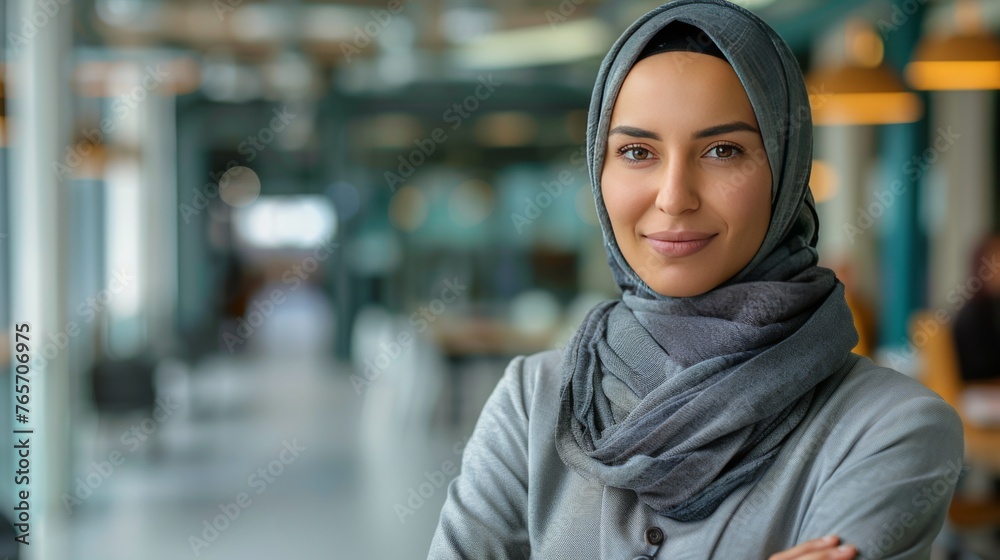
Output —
<point x="861" y="90"/>
<point x="968" y="59"/>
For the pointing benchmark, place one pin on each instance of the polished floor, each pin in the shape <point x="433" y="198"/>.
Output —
<point x="335" y="500"/>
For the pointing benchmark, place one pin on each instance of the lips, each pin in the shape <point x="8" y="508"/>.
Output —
<point x="679" y="243"/>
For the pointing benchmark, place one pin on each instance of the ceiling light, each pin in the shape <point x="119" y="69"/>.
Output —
<point x="966" y="60"/>
<point x="537" y="46"/>
<point x="862" y="90"/>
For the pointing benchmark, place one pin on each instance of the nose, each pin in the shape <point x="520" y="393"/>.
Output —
<point x="678" y="192"/>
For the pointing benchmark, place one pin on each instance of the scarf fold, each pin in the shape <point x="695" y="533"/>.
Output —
<point x="689" y="433"/>
<point x="684" y="400"/>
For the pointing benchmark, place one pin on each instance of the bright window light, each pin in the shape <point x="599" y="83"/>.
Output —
<point x="274" y="222"/>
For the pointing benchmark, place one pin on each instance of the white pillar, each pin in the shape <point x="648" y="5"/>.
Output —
<point x="38" y="94"/>
<point x="959" y="158"/>
<point x="158" y="208"/>
<point x="843" y="237"/>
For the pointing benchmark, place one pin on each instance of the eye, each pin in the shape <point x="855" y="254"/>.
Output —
<point x="724" y="151"/>
<point x="635" y="153"/>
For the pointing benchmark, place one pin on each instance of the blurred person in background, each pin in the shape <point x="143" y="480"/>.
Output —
<point x="716" y="409"/>
<point x="977" y="326"/>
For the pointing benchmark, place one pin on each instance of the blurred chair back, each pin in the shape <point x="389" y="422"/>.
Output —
<point x="938" y="364"/>
<point x="8" y="546"/>
<point x="123" y="385"/>
<point x="400" y="398"/>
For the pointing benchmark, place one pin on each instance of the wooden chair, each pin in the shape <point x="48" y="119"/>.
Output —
<point x="939" y="371"/>
<point x="938" y="360"/>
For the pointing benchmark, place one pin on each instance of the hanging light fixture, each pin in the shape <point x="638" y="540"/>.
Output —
<point x="969" y="59"/>
<point x="862" y="90"/>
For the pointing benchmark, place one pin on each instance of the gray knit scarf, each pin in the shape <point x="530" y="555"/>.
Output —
<point x="683" y="400"/>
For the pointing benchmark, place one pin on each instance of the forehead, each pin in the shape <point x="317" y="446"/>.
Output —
<point x="685" y="84"/>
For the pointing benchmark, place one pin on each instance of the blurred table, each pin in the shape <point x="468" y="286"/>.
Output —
<point x="977" y="506"/>
<point x="472" y="337"/>
<point x="982" y="448"/>
<point x="982" y="442"/>
<point x="463" y="340"/>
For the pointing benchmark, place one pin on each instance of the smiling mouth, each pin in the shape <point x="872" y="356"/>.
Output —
<point x="679" y="245"/>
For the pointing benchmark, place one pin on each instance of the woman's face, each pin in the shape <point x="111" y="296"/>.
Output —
<point x="686" y="181"/>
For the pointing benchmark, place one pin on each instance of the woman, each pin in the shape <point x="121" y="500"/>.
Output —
<point x="716" y="410"/>
<point x="977" y="325"/>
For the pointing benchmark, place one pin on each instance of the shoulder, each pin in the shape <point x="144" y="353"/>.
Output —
<point x="875" y="461"/>
<point x="872" y="391"/>
<point x="530" y="389"/>
<point x="537" y="364"/>
<point x="536" y="375"/>
<point x="874" y="407"/>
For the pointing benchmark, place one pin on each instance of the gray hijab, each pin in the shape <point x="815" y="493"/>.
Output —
<point x="684" y="400"/>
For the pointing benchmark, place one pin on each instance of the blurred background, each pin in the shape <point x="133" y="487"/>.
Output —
<point x="274" y="255"/>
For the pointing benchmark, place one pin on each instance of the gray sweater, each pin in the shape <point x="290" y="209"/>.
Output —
<point x="875" y="461"/>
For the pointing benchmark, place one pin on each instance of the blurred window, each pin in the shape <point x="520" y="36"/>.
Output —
<point x="274" y="222"/>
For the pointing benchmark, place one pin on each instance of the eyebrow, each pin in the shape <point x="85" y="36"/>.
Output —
<point x="634" y="132"/>
<point x="736" y="126"/>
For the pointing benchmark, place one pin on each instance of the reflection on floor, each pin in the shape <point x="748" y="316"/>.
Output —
<point x="241" y="423"/>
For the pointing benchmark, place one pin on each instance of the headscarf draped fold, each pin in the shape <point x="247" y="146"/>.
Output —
<point x="684" y="400"/>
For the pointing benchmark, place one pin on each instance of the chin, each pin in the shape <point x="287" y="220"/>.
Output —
<point x="679" y="293"/>
<point x="682" y="287"/>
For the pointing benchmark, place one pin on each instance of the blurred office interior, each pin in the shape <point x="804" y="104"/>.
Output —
<point x="277" y="253"/>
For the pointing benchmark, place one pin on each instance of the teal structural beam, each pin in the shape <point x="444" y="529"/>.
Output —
<point x="799" y="23"/>
<point x="903" y="243"/>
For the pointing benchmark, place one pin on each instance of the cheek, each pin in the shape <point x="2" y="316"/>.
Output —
<point x="620" y="203"/>
<point x="752" y="207"/>
<point x="747" y="202"/>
